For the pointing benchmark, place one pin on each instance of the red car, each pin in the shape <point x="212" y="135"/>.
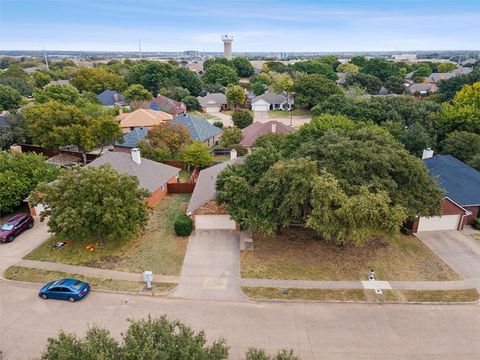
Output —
<point x="15" y="226"/>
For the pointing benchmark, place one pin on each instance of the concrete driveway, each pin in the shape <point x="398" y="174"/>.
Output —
<point x="459" y="251"/>
<point x="12" y="252"/>
<point x="211" y="269"/>
<point x="314" y="331"/>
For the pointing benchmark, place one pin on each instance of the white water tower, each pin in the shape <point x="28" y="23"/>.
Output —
<point x="227" y="46"/>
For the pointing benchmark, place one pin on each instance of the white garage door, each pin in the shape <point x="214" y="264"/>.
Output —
<point x="214" y="222"/>
<point x="212" y="109"/>
<point x="433" y="223"/>
<point x="260" y="107"/>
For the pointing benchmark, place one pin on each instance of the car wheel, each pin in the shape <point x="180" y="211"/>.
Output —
<point x="30" y="225"/>
<point x="71" y="299"/>
<point x="11" y="238"/>
<point x="44" y="296"/>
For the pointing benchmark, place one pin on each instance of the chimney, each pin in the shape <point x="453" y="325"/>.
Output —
<point x="427" y="153"/>
<point x="274" y="127"/>
<point x="233" y="154"/>
<point x="136" y="157"/>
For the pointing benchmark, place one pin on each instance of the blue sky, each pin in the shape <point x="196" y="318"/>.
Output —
<point x="257" y="25"/>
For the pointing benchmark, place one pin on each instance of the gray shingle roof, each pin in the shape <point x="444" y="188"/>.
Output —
<point x="412" y="89"/>
<point x="107" y="97"/>
<point x="150" y="174"/>
<point x="205" y="187"/>
<point x="460" y="181"/>
<point x="212" y="99"/>
<point x="271" y="98"/>
<point x="132" y="138"/>
<point x="200" y="129"/>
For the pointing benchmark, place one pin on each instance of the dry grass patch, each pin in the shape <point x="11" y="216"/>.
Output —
<point x="273" y="293"/>
<point x="296" y="254"/>
<point x="158" y="249"/>
<point x="19" y="273"/>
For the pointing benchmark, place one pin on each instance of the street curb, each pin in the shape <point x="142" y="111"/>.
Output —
<point x="162" y="294"/>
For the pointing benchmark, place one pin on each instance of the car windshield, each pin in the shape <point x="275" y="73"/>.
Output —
<point x="7" y="227"/>
<point x="77" y="285"/>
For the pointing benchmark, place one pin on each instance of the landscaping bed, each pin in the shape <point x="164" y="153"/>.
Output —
<point x="19" y="273"/>
<point x="269" y="293"/>
<point x="158" y="249"/>
<point x="296" y="254"/>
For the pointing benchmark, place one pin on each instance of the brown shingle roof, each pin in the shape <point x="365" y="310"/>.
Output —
<point x="252" y="132"/>
<point x="143" y="117"/>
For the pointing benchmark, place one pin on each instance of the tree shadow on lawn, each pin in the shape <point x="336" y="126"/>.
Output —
<point x="298" y="253"/>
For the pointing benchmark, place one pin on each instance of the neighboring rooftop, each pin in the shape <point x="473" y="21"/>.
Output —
<point x="200" y="129"/>
<point x="252" y="132"/>
<point x="212" y="99"/>
<point x="421" y="88"/>
<point x="460" y="181"/>
<point x="110" y="97"/>
<point x="271" y="98"/>
<point x="164" y="103"/>
<point x="143" y="117"/>
<point x="59" y="82"/>
<point x="205" y="189"/>
<point x="132" y="138"/>
<point x="150" y="174"/>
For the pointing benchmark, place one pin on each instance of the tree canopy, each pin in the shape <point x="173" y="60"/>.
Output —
<point x="10" y="98"/>
<point x="137" y="92"/>
<point x="19" y="175"/>
<point x="164" y="141"/>
<point x="242" y="118"/>
<point x="235" y="95"/>
<point x="197" y="154"/>
<point x="312" y="89"/>
<point x="220" y="74"/>
<point x="243" y="66"/>
<point x="93" y="204"/>
<point x="151" y="75"/>
<point x="97" y="80"/>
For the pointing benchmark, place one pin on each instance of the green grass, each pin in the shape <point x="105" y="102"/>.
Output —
<point x="185" y="175"/>
<point x="476" y="236"/>
<point x="204" y="115"/>
<point x="297" y="255"/>
<point x="19" y="273"/>
<point x="287" y="114"/>
<point x="158" y="249"/>
<point x="268" y="293"/>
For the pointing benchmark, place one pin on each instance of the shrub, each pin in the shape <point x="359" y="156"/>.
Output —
<point x="405" y="230"/>
<point x="242" y="118"/>
<point x="183" y="225"/>
<point x="241" y="151"/>
<point x="218" y="124"/>
<point x="476" y="224"/>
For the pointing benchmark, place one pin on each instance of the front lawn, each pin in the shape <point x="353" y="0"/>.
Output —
<point x="19" y="273"/>
<point x="204" y="115"/>
<point x="287" y="114"/>
<point x="296" y="255"/>
<point x="268" y="293"/>
<point x="158" y="249"/>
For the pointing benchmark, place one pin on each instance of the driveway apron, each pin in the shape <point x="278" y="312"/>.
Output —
<point x="211" y="269"/>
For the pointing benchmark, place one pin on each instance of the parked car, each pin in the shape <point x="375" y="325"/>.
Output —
<point x="65" y="289"/>
<point x="15" y="226"/>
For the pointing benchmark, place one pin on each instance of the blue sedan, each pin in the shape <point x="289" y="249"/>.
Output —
<point x="65" y="289"/>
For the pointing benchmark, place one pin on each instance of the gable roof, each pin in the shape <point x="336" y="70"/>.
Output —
<point x="271" y="98"/>
<point x="132" y="138"/>
<point x="412" y="89"/>
<point x="460" y="181"/>
<point x="199" y="129"/>
<point x="212" y="99"/>
<point x="150" y="174"/>
<point x="252" y="132"/>
<point x="109" y="97"/>
<point x="143" y="117"/>
<point x="205" y="187"/>
<point x="170" y="106"/>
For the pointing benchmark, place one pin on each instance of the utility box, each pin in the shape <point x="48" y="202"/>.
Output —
<point x="148" y="278"/>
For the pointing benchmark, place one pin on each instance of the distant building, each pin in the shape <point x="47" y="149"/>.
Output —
<point x="227" y="46"/>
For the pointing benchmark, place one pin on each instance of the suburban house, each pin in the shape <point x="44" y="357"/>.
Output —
<point x="203" y="210"/>
<point x="152" y="176"/>
<point x="131" y="139"/>
<point x="270" y="101"/>
<point x="161" y="103"/>
<point x="146" y="118"/>
<point x="252" y="132"/>
<point x="212" y="103"/>
<point x="199" y="129"/>
<point x="421" y="89"/>
<point x="110" y="98"/>
<point x="461" y="184"/>
<point x="437" y="77"/>
<point x="58" y="82"/>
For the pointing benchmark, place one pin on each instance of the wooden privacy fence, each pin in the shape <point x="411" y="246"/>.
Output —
<point x="54" y="152"/>
<point x="180" y="188"/>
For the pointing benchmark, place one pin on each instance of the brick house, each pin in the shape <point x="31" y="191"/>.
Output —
<point x="152" y="176"/>
<point x="202" y="208"/>
<point x="461" y="184"/>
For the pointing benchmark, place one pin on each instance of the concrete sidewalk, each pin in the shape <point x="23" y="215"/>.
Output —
<point x="94" y="272"/>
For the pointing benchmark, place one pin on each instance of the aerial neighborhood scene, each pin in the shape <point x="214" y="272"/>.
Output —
<point x="274" y="180"/>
